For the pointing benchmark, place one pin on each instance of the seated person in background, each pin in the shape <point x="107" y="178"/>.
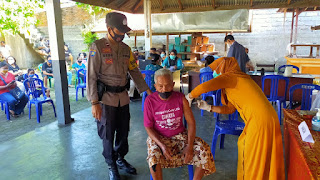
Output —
<point x="172" y="62"/>
<point x="68" y="55"/>
<point x="138" y="55"/>
<point x="69" y="74"/>
<point x="30" y="74"/>
<point x="7" y="82"/>
<point x="79" y="65"/>
<point x="83" y="56"/>
<point x="47" y="71"/>
<point x="15" y="70"/>
<point x="153" y="51"/>
<point x="209" y="59"/>
<point x="163" y="55"/>
<point x="170" y="145"/>
<point x="154" y="66"/>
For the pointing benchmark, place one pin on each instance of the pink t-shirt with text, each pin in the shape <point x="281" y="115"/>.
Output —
<point x="165" y="116"/>
<point x="10" y="77"/>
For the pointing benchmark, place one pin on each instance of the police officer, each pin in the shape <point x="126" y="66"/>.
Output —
<point x="109" y="62"/>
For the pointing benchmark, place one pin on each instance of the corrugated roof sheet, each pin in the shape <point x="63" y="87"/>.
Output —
<point x="168" y="6"/>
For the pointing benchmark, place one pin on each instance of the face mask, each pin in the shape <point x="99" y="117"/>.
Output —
<point x="50" y="61"/>
<point x="116" y="37"/>
<point x="173" y="57"/>
<point x="165" y="95"/>
<point x="10" y="61"/>
<point x="161" y="55"/>
<point x="31" y="75"/>
<point x="215" y="74"/>
<point x="79" y="62"/>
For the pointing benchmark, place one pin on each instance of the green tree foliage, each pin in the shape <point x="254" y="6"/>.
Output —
<point x="18" y="16"/>
<point x="96" y="13"/>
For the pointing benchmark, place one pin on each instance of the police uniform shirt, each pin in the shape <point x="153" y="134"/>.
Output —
<point x="110" y="63"/>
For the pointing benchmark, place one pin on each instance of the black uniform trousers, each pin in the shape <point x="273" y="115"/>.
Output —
<point x="115" y="121"/>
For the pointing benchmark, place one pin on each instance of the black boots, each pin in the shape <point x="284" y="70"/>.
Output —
<point x="113" y="172"/>
<point x="123" y="164"/>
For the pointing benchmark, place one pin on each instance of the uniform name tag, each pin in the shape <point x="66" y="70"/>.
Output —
<point x="109" y="61"/>
<point x="106" y="50"/>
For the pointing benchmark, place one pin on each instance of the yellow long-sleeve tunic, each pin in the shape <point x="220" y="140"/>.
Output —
<point x="260" y="150"/>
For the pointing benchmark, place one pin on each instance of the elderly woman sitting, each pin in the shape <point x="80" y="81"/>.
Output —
<point x="170" y="145"/>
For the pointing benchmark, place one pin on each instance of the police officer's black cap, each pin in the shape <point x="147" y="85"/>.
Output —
<point x="117" y="20"/>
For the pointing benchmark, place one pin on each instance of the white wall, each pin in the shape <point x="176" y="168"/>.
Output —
<point x="269" y="37"/>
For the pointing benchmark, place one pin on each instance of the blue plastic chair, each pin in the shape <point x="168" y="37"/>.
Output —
<point x="81" y="84"/>
<point x="306" y="95"/>
<point x="274" y="97"/>
<point x="281" y="68"/>
<point x="5" y="107"/>
<point x="190" y="170"/>
<point x="30" y="86"/>
<point x="149" y="76"/>
<point x="204" y="77"/>
<point x="229" y="126"/>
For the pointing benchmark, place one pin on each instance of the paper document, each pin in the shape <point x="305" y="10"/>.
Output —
<point x="305" y="132"/>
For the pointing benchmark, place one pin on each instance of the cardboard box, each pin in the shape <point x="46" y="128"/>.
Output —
<point x="188" y="49"/>
<point x="197" y="48"/>
<point x="199" y="40"/>
<point x="190" y="40"/>
<point x="171" y="46"/>
<point x="210" y="48"/>
<point x="205" y="40"/>
<point x="203" y="48"/>
<point x="177" y="40"/>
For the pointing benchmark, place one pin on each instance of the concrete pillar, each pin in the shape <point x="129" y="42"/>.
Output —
<point x="58" y="61"/>
<point x="147" y="29"/>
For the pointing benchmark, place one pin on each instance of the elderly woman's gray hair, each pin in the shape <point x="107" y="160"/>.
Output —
<point x="162" y="72"/>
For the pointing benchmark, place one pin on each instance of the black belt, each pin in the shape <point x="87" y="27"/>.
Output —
<point x="115" y="89"/>
<point x="101" y="87"/>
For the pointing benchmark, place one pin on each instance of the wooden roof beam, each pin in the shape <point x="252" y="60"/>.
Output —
<point x="108" y="2"/>
<point x="180" y="5"/>
<point x="123" y="3"/>
<point x="161" y="5"/>
<point x="289" y="1"/>
<point x="137" y="5"/>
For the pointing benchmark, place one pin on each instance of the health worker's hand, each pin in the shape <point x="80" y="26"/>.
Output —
<point x="204" y="105"/>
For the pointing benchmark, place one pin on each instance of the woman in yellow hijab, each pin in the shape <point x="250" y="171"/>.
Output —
<point x="260" y="150"/>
